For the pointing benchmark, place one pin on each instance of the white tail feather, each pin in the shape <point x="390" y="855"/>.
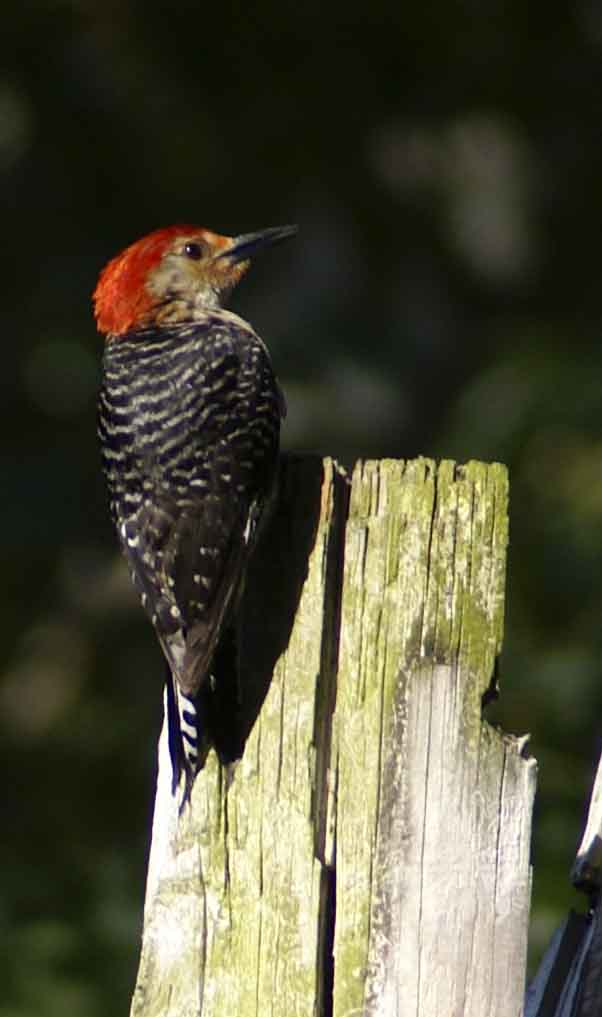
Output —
<point x="188" y="728"/>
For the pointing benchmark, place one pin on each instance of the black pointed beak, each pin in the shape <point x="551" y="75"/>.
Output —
<point x="248" y="244"/>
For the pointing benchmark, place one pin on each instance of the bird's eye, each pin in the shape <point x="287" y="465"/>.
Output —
<point x="193" y="251"/>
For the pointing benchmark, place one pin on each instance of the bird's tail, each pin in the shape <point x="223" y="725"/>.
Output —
<point x="184" y="736"/>
<point x="211" y="717"/>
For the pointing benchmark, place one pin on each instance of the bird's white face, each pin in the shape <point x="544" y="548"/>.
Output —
<point x="193" y="275"/>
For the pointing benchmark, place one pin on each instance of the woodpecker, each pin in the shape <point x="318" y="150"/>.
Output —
<point x="189" y="426"/>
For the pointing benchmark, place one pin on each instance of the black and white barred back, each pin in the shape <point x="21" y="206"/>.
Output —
<point x="189" y="422"/>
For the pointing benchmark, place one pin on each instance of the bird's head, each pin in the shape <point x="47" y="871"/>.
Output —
<point x="174" y="275"/>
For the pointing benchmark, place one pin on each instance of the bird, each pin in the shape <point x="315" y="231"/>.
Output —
<point x="189" y="416"/>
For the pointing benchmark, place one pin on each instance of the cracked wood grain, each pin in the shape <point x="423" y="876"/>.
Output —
<point x="369" y="854"/>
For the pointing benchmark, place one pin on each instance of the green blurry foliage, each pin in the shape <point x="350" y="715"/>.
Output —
<point x="443" y="162"/>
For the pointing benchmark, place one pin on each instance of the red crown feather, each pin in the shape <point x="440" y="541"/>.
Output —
<point x="121" y="298"/>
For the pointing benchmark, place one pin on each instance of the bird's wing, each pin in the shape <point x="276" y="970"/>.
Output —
<point x="189" y="541"/>
<point x="187" y="563"/>
<point x="206" y="558"/>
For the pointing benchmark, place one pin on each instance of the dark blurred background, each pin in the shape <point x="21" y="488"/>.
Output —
<point x="444" y="162"/>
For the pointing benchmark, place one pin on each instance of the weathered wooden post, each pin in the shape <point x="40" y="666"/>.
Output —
<point x="369" y="854"/>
